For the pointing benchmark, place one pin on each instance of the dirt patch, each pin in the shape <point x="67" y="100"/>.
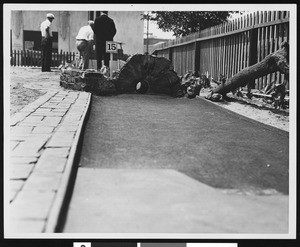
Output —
<point x="21" y="96"/>
<point x="28" y="84"/>
<point x="255" y="108"/>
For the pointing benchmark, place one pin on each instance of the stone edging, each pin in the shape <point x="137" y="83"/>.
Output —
<point x="60" y="200"/>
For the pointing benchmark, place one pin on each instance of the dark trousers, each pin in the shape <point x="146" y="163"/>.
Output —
<point x="102" y="55"/>
<point x="46" y="54"/>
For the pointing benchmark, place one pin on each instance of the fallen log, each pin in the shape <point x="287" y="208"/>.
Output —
<point x="277" y="61"/>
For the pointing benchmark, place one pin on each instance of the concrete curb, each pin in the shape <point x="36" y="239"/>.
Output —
<point x="54" y="218"/>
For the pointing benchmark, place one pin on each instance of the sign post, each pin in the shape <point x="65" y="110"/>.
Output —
<point x="111" y="47"/>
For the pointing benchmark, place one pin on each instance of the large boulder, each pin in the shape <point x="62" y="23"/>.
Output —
<point x="140" y="74"/>
<point x="155" y="74"/>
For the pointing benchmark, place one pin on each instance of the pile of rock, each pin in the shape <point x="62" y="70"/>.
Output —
<point x="193" y="82"/>
<point x="88" y="80"/>
<point x="140" y="74"/>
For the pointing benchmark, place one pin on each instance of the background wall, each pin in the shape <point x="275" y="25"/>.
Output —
<point x="66" y="23"/>
<point x="130" y="28"/>
<point x="69" y="24"/>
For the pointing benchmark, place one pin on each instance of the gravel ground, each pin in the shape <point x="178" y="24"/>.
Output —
<point x="28" y="84"/>
<point x="256" y="109"/>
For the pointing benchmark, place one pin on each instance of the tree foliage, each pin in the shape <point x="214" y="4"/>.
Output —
<point x="182" y="23"/>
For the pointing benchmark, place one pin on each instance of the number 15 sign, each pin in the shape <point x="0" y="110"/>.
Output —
<point x="111" y="47"/>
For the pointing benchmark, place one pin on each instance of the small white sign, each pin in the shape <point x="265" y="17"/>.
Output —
<point x="82" y="244"/>
<point x="111" y="47"/>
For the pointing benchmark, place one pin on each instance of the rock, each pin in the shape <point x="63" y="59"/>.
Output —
<point x="99" y="84"/>
<point x="191" y="84"/>
<point x="89" y="81"/>
<point x="155" y="72"/>
<point x="216" y="97"/>
<point x="142" y="87"/>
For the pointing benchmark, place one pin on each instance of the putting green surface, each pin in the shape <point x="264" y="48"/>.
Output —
<point x="195" y="137"/>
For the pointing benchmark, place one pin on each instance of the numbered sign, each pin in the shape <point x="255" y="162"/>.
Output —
<point x="111" y="47"/>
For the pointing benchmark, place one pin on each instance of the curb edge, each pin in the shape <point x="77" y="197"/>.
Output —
<point x="59" y="202"/>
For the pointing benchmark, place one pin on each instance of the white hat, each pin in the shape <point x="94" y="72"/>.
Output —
<point x="90" y="22"/>
<point x="49" y="15"/>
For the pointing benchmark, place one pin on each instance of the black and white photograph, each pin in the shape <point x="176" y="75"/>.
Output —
<point x="150" y="121"/>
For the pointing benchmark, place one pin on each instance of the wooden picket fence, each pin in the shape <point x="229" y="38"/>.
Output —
<point x="230" y="47"/>
<point x="31" y="58"/>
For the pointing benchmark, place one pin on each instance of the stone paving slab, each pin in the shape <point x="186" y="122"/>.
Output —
<point x="15" y="186"/>
<point x="32" y="205"/>
<point x="27" y="110"/>
<point x="20" y="172"/>
<point x="44" y="136"/>
<point x="31" y="226"/>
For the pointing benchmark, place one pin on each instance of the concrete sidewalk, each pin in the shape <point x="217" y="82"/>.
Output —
<point x="44" y="137"/>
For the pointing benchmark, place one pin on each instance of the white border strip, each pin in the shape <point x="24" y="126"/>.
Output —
<point x="165" y="7"/>
<point x="152" y="7"/>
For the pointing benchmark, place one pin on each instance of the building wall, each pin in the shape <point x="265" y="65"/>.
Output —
<point x="31" y="20"/>
<point x="129" y="26"/>
<point x="17" y="27"/>
<point x="130" y="30"/>
<point x="153" y="42"/>
<point x="69" y="24"/>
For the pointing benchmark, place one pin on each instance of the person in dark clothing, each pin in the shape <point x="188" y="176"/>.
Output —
<point x="47" y="42"/>
<point x="104" y="30"/>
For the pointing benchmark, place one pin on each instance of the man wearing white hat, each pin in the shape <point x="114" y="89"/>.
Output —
<point x="47" y="42"/>
<point x="85" y="42"/>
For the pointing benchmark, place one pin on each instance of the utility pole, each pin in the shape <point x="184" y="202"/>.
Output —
<point x="147" y="45"/>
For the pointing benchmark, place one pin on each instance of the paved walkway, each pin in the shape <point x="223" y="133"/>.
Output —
<point x="44" y="137"/>
<point x="43" y="141"/>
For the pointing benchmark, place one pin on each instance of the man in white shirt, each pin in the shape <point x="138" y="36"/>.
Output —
<point x="47" y="42"/>
<point x="85" y="42"/>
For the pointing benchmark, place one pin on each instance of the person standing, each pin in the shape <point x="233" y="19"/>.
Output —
<point x="47" y="42"/>
<point x="104" y="30"/>
<point x="85" y="42"/>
